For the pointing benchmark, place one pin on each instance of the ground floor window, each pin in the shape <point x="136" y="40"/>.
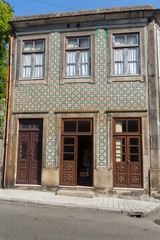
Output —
<point x="127" y="153"/>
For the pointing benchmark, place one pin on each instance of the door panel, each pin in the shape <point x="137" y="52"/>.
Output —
<point x="127" y="161"/>
<point x="29" y="157"/>
<point x="23" y="158"/>
<point x="35" y="158"/>
<point x="134" y="162"/>
<point x="68" y="160"/>
<point x="120" y="175"/>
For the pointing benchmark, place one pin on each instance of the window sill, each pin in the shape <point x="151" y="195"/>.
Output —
<point x="127" y="78"/>
<point x="32" y="81"/>
<point x="77" y="80"/>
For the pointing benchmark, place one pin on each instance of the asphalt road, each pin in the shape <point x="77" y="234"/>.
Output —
<point x="24" y="221"/>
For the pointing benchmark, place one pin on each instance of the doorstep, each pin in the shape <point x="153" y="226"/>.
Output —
<point x="76" y="193"/>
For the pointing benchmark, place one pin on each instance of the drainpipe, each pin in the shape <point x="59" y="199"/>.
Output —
<point x="8" y="96"/>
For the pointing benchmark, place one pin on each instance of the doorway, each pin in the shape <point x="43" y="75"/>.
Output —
<point x="76" y="152"/>
<point x="127" y="153"/>
<point x="29" y="152"/>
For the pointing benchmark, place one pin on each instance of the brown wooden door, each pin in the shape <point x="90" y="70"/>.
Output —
<point x="68" y="160"/>
<point x="127" y="152"/>
<point x="127" y="161"/>
<point x="23" y="158"/>
<point x="29" y="157"/>
<point x="134" y="162"/>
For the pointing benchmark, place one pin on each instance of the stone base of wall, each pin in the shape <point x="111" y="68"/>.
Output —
<point x="155" y="183"/>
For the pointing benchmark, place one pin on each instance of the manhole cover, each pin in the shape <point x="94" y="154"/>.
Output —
<point x="157" y="221"/>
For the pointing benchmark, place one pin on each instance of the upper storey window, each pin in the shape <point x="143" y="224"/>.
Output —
<point x="78" y="57"/>
<point x="126" y="54"/>
<point x="33" y="59"/>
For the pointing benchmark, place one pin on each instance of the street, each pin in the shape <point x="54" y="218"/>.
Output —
<point x="26" y="221"/>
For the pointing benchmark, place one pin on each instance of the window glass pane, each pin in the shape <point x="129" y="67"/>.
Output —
<point x="68" y="140"/>
<point x="37" y="150"/>
<point x="23" y="150"/>
<point x="118" y="61"/>
<point x="134" y="141"/>
<point x="38" y="70"/>
<point x="27" y="61"/>
<point x="133" y="126"/>
<point x="69" y="149"/>
<point x="83" y="42"/>
<point x="39" y="45"/>
<point x="72" y="43"/>
<point x="28" y="46"/>
<point x="71" y="64"/>
<point x="31" y="125"/>
<point x="120" y="149"/>
<point x="119" y="40"/>
<point x="25" y="125"/>
<point x="68" y="157"/>
<point x="120" y="126"/>
<point x="132" y="39"/>
<point x="37" y="125"/>
<point x="83" y="126"/>
<point x="134" y="149"/>
<point x="134" y="158"/>
<point x="120" y="158"/>
<point x="84" y="67"/>
<point x="69" y="126"/>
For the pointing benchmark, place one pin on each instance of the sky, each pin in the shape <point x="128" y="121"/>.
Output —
<point x="29" y="7"/>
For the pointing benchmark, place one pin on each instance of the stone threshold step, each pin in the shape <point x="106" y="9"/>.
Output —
<point x="76" y="193"/>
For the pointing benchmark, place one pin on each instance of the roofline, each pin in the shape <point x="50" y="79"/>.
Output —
<point x="82" y="13"/>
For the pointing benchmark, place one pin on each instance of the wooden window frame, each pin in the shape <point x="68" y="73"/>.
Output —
<point x="125" y="48"/>
<point x="33" y="53"/>
<point x="141" y="30"/>
<point x="139" y="133"/>
<point x="19" y="64"/>
<point x="77" y="120"/>
<point x="77" y="79"/>
<point x="40" y="121"/>
<point x="78" y="50"/>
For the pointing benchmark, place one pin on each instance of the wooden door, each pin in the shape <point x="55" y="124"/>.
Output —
<point x="134" y="162"/>
<point x="23" y="158"/>
<point x="35" y="158"/>
<point x="127" y="162"/>
<point x="127" y="165"/>
<point x="120" y="162"/>
<point x="29" y="155"/>
<point x="68" y="160"/>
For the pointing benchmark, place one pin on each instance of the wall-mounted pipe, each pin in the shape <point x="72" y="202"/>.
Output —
<point x="8" y="96"/>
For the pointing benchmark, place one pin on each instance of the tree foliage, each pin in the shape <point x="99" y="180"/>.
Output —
<point x="6" y="13"/>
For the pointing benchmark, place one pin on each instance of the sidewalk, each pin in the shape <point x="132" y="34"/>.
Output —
<point x="99" y="203"/>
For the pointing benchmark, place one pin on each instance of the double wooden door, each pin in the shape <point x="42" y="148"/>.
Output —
<point x="74" y="166"/>
<point x="29" y="154"/>
<point x="127" y="155"/>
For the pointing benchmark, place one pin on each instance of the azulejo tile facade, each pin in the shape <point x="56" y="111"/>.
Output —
<point x="101" y="96"/>
<point x="100" y="125"/>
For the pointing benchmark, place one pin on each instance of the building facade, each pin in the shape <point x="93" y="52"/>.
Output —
<point x="85" y="101"/>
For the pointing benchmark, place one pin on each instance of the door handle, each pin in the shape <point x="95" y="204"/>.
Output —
<point x="129" y="161"/>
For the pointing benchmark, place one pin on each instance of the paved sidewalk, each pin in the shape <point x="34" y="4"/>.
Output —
<point x="99" y="203"/>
